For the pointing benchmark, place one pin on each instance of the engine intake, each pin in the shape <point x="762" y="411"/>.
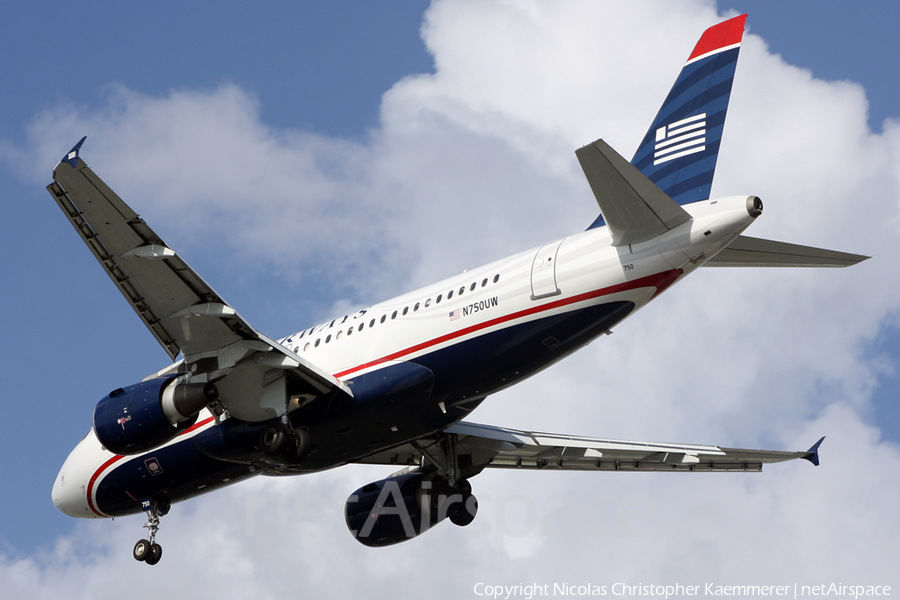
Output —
<point x="148" y="414"/>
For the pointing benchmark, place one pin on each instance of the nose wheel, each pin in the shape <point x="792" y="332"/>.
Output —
<point x="149" y="551"/>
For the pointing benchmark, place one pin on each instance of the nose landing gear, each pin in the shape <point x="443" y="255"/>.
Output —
<point x="149" y="551"/>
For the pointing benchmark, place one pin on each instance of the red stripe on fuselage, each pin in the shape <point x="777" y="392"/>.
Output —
<point x="118" y="457"/>
<point x="660" y="281"/>
<point x="90" y="487"/>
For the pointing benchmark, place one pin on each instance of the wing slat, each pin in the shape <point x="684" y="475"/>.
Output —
<point x="502" y="448"/>
<point x="181" y="310"/>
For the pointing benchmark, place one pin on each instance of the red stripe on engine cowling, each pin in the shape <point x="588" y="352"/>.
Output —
<point x="726" y="33"/>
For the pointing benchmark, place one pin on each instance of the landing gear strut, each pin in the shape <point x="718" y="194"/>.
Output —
<point x="149" y="551"/>
<point x="454" y="497"/>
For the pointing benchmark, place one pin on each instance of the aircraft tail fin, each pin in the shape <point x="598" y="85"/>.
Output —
<point x="679" y="151"/>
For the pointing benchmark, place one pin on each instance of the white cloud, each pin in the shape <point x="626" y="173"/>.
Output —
<point x="478" y="158"/>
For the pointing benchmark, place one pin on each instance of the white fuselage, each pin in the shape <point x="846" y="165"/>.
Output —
<point x="562" y="276"/>
<point x="526" y="286"/>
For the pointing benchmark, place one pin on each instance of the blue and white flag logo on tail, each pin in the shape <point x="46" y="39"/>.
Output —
<point x="687" y="136"/>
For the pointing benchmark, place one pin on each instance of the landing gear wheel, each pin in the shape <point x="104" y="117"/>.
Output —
<point x="273" y="440"/>
<point x="142" y="550"/>
<point x="149" y="551"/>
<point x="439" y="499"/>
<point x="299" y="449"/>
<point x="155" y="554"/>
<point x="464" y="513"/>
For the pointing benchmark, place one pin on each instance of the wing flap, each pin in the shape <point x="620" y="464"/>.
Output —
<point x="180" y="309"/>
<point x="153" y="282"/>
<point x="503" y="448"/>
<point x="746" y="251"/>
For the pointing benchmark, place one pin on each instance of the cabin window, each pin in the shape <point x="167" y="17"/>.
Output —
<point x="472" y="287"/>
<point x="372" y="323"/>
<point x="328" y="338"/>
<point x="383" y="317"/>
<point x="317" y="342"/>
<point x="428" y="303"/>
<point x="461" y="290"/>
<point x="438" y="300"/>
<point x="449" y="294"/>
<point x="405" y="310"/>
<point x="394" y="315"/>
<point x="484" y="283"/>
<point x="361" y="325"/>
<point x="306" y="347"/>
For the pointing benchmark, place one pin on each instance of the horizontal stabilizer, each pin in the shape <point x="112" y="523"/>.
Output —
<point x="755" y="252"/>
<point x="634" y="208"/>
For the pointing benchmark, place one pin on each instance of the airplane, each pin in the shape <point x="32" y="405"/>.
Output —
<point x="394" y="383"/>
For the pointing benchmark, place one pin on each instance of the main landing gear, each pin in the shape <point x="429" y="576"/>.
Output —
<point x="454" y="497"/>
<point x="281" y="440"/>
<point x="457" y="502"/>
<point x="149" y="551"/>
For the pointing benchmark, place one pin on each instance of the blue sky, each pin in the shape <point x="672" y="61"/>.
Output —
<point x="318" y="67"/>
<point x="316" y="74"/>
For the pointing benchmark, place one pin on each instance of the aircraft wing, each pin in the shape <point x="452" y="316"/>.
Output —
<point x="485" y="446"/>
<point x="180" y="309"/>
<point x="746" y="251"/>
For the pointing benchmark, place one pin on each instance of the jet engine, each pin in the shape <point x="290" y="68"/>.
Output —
<point x="148" y="414"/>
<point x="404" y="506"/>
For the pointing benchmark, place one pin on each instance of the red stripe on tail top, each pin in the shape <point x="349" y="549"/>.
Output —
<point x="726" y="33"/>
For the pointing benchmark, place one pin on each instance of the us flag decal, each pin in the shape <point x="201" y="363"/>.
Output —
<point x="454" y="315"/>
<point x="680" y="138"/>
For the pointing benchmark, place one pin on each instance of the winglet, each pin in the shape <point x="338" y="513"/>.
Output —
<point x="812" y="455"/>
<point x="72" y="156"/>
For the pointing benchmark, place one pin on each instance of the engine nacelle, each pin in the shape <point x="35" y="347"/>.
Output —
<point x="402" y="507"/>
<point x="148" y="414"/>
